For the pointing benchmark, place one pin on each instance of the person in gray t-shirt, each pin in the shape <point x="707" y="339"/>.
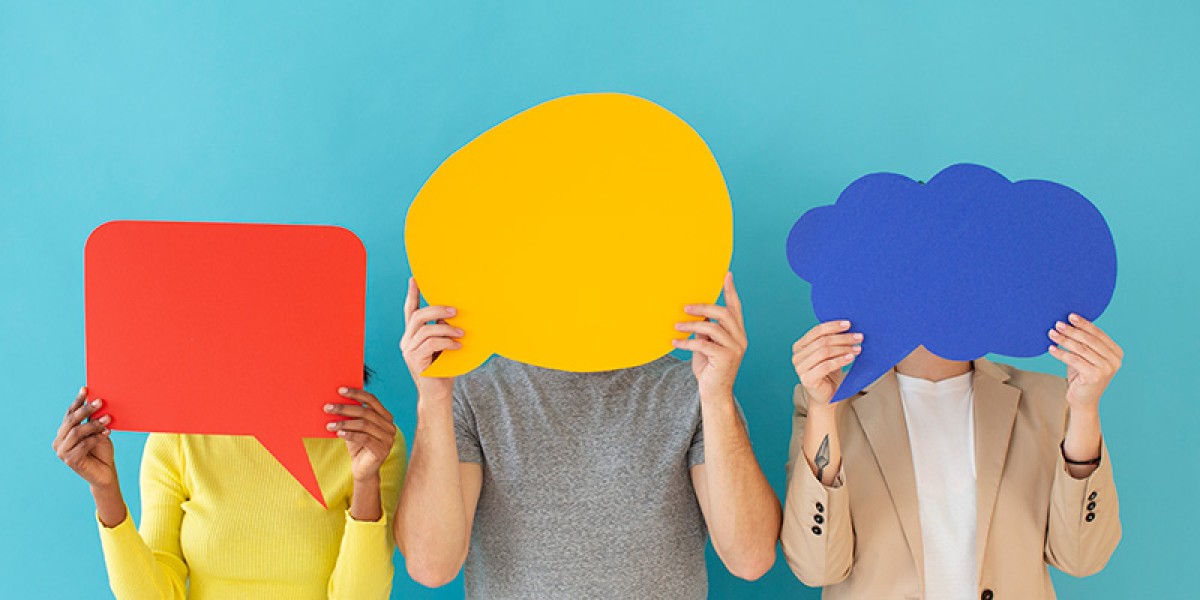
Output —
<point x="551" y="484"/>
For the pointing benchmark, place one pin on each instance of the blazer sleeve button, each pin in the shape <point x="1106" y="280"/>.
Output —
<point x="1090" y="517"/>
<point x="816" y="530"/>
<point x="820" y="507"/>
<point x="818" y="519"/>
<point x="986" y="595"/>
<point x="1091" y="506"/>
<point x="1092" y="496"/>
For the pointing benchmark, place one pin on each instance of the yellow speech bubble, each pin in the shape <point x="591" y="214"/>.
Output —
<point x="571" y="235"/>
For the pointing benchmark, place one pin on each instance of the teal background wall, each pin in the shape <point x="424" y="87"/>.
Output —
<point x="313" y="112"/>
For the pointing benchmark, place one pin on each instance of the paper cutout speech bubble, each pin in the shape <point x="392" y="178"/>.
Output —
<point x="571" y="235"/>
<point x="221" y="328"/>
<point x="967" y="264"/>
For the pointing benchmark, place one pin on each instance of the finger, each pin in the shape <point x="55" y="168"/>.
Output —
<point x="1077" y="347"/>
<point x="362" y="426"/>
<point x="81" y="413"/>
<point x="1087" y="339"/>
<point x="831" y="339"/>
<point x="826" y="341"/>
<point x="355" y="411"/>
<point x="367" y="398"/>
<point x="421" y="316"/>
<point x="825" y="328"/>
<point x="80" y="398"/>
<point x="809" y="361"/>
<point x="714" y="331"/>
<point x="1092" y="329"/>
<point x="823" y="369"/>
<point x="1072" y="360"/>
<point x="75" y="457"/>
<point x="413" y="300"/>
<point x="732" y="300"/>
<point x="80" y="432"/>
<point x="425" y="332"/>
<point x="705" y="347"/>
<point x="355" y="438"/>
<point x="432" y="346"/>
<point x="715" y="312"/>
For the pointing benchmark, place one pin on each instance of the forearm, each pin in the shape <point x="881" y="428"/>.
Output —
<point x="366" y="503"/>
<point x="1082" y="440"/>
<point x="431" y="521"/>
<point x="744" y="514"/>
<point x="821" y="447"/>
<point x="110" y="505"/>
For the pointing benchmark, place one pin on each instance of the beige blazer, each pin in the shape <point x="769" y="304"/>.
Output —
<point x="862" y="538"/>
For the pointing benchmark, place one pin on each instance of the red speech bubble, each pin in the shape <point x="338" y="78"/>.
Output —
<point x="225" y="328"/>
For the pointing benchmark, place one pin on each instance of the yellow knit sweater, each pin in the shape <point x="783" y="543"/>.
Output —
<point x="222" y="519"/>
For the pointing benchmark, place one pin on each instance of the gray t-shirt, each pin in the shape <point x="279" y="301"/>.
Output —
<point x="587" y="491"/>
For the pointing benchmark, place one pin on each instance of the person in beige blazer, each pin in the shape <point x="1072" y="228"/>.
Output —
<point x="1043" y="486"/>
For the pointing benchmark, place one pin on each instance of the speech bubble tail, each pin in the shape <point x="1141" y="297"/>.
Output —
<point x="291" y="453"/>
<point x="452" y="363"/>
<point x="867" y="368"/>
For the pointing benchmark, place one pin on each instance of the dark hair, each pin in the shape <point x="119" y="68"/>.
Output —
<point x="368" y="373"/>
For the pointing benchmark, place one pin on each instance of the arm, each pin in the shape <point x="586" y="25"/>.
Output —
<point x="437" y="503"/>
<point x="139" y="568"/>
<point x="738" y="504"/>
<point x="817" y="536"/>
<point x="1084" y="526"/>
<point x="364" y="564"/>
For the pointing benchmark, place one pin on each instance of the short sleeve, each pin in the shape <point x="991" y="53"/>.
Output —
<point x="466" y="432"/>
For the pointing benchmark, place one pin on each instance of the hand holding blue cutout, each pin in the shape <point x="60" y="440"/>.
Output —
<point x="966" y="264"/>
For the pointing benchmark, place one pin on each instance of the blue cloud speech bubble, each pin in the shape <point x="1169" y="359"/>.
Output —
<point x="966" y="264"/>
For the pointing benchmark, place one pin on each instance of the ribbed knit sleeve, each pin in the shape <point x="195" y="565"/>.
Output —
<point x="149" y="565"/>
<point x="364" y="564"/>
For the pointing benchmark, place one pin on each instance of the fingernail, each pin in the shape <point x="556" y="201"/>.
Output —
<point x="679" y="326"/>
<point x="104" y="420"/>
<point x="845" y="323"/>
<point x="452" y="311"/>
<point x="849" y="357"/>
<point x="857" y="349"/>
<point x="1073" y="317"/>
<point x="332" y="426"/>
<point x="343" y="391"/>
<point x="675" y="342"/>
<point x="106" y="431"/>
<point x="341" y="434"/>
<point x="1059" y="324"/>
<point x="82" y="390"/>
<point x="328" y="408"/>
<point x="1053" y="332"/>
<point x="858" y="336"/>
<point x="97" y="403"/>
<point x="1052" y="348"/>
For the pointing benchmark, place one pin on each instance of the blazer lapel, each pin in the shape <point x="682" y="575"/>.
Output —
<point x="995" y="413"/>
<point x="882" y="418"/>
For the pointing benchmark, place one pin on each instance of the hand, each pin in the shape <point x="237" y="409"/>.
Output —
<point x="719" y="343"/>
<point x="368" y="431"/>
<point x="423" y="342"/>
<point x="819" y="356"/>
<point x="84" y="445"/>
<point x="1092" y="359"/>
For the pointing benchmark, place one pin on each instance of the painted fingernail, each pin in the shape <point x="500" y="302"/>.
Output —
<point x="106" y="431"/>
<point x="97" y="403"/>
<point x="81" y="390"/>
<point x="343" y="391"/>
<point x="328" y="408"/>
<point x="104" y="420"/>
<point x="341" y="434"/>
<point x="332" y="426"/>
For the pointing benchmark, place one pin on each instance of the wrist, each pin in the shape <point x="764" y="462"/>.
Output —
<point x="369" y="480"/>
<point x="716" y="394"/>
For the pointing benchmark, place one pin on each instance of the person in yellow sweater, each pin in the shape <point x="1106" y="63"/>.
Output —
<point x="222" y="519"/>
